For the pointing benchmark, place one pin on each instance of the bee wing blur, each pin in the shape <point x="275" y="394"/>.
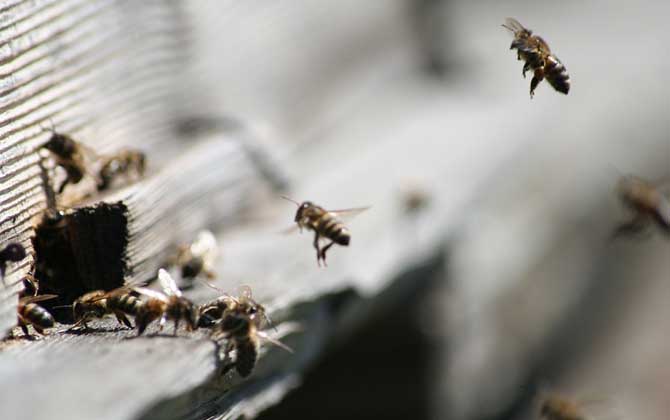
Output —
<point x="289" y="230"/>
<point x="513" y="25"/>
<point x="348" y="214"/>
<point x="151" y="293"/>
<point x="168" y="284"/>
<point x="277" y="343"/>
<point x="205" y="244"/>
<point x="245" y="291"/>
<point x="39" y="298"/>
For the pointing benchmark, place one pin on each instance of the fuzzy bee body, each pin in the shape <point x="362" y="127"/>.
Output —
<point x="198" y="257"/>
<point x="99" y="303"/>
<point x="211" y="312"/>
<point x="648" y="204"/>
<point x="68" y="155"/>
<point x="124" y="303"/>
<point x="325" y="224"/>
<point x="168" y="305"/>
<point x="537" y="56"/>
<point x="125" y="163"/>
<point x="241" y="334"/>
<point x="30" y="313"/>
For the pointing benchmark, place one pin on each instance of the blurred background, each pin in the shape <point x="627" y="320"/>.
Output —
<point x="503" y="281"/>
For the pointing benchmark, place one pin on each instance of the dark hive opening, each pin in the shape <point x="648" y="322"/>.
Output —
<point x="78" y="251"/>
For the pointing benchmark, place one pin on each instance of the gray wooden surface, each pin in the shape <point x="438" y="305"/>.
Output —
<point x="338" y="95"/>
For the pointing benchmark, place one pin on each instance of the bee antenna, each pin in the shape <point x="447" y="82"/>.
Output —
<point x="62" y="306"/>
<point x="291" y="200"/>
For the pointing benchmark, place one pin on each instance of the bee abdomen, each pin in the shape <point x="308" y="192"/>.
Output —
<point x="125" y="303"/>
<point x="247" y="354"/>
<point x="337" y="232"/>
<point x="557" y="75"/>
<point x="39" y="316"/>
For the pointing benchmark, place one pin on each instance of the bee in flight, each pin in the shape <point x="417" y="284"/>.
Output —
<point x="168" y="305"/>
<point x="211" y="312"/>
<point x="13" y="252"/>
<point x="537" y="57"/>
<point x="30" y="313"/>
<point x="325" y="224"/>
<point x="127" y="163"/>
<point x="647" y="202"/>
<point x="243" y="335"/>
<point x="197" y="257"/>
<point x="98" y="303"/>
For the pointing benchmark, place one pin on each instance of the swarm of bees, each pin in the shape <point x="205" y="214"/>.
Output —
<point x="537" y="56"/>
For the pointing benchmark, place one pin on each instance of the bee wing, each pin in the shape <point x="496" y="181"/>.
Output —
<point x="348" y="214"/>
<point x="155" y="294"/>
<point x="277" y="343"/>
<point x="39" y="298"/>
<point x="168" y="284"/>
<point x="205" y="244"/>
<point x="245" y="292"/>
<point x="513" y="25"/>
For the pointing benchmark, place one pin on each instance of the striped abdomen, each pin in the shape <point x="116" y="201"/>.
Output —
<point x="126" y="303"/>
<point x="247" y="354"/>
<point x="333" y="229"/>
<point x="556" y="74"/>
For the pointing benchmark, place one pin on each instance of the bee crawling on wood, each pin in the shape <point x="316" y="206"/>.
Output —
<point x="211" y="312"/>
<point x="649" y="204"/>
<point x="30" y="313"/>
<point x="537" y="57"/>
<point x="69" y="155"/>
<point x="170" y="304"/>
<point x="98" y="303"/>
<point x="126" y="163"/>
<point x="197" y="257"/>
<point x="325" y="224"/>
<point x="241" y="331"/>
<point x="13" y="252"/>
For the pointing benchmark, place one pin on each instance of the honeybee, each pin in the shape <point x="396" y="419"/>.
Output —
<point x="69" y="155"/>
<point x="13" y="252"/>
<point x="648" y="204"/>
<point x="243" y="335"/>
<point x="197" y="257"/>
<point x="170" y="304"/>
<point x="30" y="313"/>
<point x="127" y="162"/>
<point x="98" y="303"/>
<point x="538" y="57"/>
<point x="215" y="310"/>
<point x="325" y="224"/>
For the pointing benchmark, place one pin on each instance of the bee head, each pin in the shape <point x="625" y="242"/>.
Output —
<point x="60" y="144"/>
<point x="302" y="210"/>
<point x="14" y="252"/>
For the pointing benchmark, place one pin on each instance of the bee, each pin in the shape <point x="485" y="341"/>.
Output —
<point x="537" y="56"/>
<point x="170" y="304"/>
<point x="215" y="310"/>
<point x="127" y="162"/>
<point x="325" y="224"/>
<point x="648" y="204"/>
<point x="243" y="336"/>
<point x="13" y="252"/>
<point x="31" y="286"/>
<point x="197" y="257"/>
<point x="30" y="313"/>
<point x="69" y="155"/>
<point x="98" y="303"/>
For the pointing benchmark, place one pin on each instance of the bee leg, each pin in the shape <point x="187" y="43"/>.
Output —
<point x="123" y="319"/>
<point x="537" y="78"/>
<point x="38" y="329"/>
<point x="24" y="328"/>
<point x="318" y="250"/>
<point x="323" y="252"/>
<point x="526" y="67"/>
<point x="176" y="326"/>
<point x="162" y="322"/>
<point x="63" y="185"/>
<point x="635" y="226"/>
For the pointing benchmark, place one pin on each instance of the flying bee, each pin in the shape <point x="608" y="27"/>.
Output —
<point x="215" y="310"/>
<point x="648" y="204"/>
<point x="98" y="303"/>
<point x="325" y="224"/>
<point x="537" y="56"/>
<point x="170" y="304"/>
<point x="243" y="336"/>
<point x="197" y="257"/>
<point x="30" y="313"/>
<point x="13" y="252"/>
<point x="69" y="155"/>
<point x="127" y="163"/>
